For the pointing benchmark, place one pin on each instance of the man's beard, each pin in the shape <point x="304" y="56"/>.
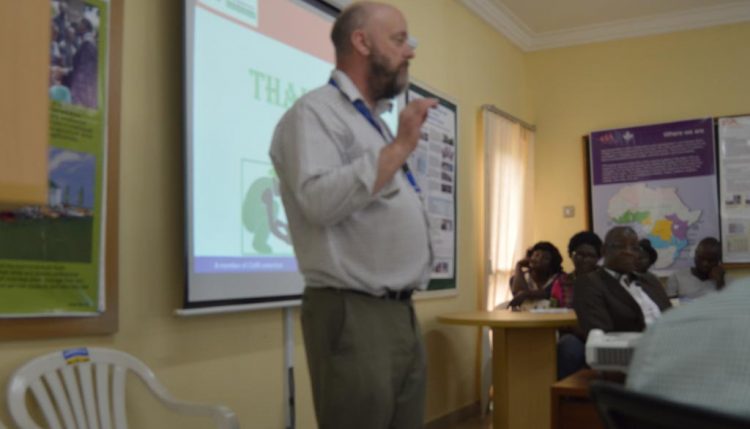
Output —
<point x="385" y="83"/>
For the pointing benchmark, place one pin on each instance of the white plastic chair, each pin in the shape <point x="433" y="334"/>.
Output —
<point x="88" y="391"/>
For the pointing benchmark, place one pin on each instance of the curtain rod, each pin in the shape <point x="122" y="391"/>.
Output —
<point x="509" y="117"/>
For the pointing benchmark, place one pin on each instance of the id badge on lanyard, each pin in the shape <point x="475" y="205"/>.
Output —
<point x="362" y="108"/>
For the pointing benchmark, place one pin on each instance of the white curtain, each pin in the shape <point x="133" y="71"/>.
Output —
<point x="509" y="195"/>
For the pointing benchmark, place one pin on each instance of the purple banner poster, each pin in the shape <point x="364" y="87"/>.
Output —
<point x="653" y="152"/>
<point x="661" y="181"/>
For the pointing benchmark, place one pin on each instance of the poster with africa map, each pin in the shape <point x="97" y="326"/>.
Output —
<point x="661" y="181"/>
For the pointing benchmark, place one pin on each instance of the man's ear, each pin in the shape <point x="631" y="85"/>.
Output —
<point x="360" y="42"/>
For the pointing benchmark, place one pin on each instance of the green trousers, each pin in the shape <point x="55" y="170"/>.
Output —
<point x="366" y="360"/>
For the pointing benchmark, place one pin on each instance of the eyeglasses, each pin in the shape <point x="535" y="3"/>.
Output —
<point x="412" y="42"/>
<point x="585" y="255"/>
<point x="401" y="39"/>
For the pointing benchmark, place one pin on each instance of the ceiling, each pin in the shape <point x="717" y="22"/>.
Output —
<point x="544" y="24"/>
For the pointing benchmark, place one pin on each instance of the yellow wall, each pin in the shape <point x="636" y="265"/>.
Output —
<point x="646" y="80"/>
<point x="236" y="359"/>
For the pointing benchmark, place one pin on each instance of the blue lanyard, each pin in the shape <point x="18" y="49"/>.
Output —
<point x="362" y="108"/>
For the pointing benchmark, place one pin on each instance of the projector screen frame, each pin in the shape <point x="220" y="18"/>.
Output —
<point x="210" y="306"/>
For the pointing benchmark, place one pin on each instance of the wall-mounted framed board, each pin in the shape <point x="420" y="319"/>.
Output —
<point x="58" y="261"/>
<point x="660" y="180"/>
<point x="435" y="166"/>
<point x="733" y="135"/>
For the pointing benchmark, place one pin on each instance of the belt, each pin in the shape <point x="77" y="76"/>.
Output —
<point x="390" y="295"/>
<point x="398" y="295"/>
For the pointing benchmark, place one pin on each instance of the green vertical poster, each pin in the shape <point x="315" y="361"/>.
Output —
<point x="51" y="256"/>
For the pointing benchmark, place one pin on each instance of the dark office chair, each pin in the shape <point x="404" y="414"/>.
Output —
<point x="621" y="408"/>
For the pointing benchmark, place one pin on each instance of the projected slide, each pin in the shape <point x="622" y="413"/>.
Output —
<point x="246" y="63"/>
<point x="248" y="70"/>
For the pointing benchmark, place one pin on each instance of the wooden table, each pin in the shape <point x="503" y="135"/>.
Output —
<point x="524" y="362"/>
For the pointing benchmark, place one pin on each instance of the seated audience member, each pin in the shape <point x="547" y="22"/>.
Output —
<point x="585" y="250"/>
<point x="534" y="275"/>
<point x="705" y="277"/>
<point x="698" y="354"/>
<point x="646" y="259"/>
<point x="614" y="299"/>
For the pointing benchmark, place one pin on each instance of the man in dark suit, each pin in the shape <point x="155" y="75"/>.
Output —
<point x="614" y="298"/>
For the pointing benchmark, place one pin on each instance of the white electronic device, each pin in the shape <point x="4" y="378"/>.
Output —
<point x="611" y="351"/>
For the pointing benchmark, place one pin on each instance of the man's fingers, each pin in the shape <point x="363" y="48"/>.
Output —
<point x="425" y="104"/>
<point x="431" y="102"/>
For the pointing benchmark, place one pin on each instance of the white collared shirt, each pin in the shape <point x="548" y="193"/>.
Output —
<point x="326" y="155"/>
<point x="650" y="310"/>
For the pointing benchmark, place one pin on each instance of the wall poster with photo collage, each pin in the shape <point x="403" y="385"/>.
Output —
<point x="733" y="135"/>
<point x="434" y="164"/>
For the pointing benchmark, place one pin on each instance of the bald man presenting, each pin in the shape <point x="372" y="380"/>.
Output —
<point x="358" y="227"/>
